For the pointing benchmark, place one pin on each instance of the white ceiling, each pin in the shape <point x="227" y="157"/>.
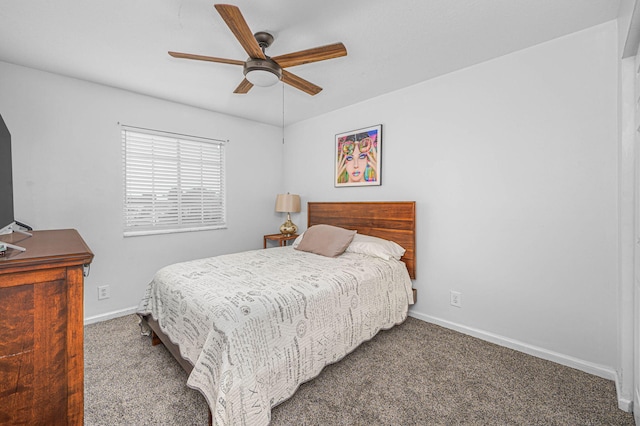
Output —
<point x="390" y="44"/>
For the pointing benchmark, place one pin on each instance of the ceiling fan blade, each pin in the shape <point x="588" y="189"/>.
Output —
<point x="316" y="54"/>
<point x="238" y="26"/>
<point x="300" y="83"/>
<point x="244" y="87"/>
<point x="205" y="58"/>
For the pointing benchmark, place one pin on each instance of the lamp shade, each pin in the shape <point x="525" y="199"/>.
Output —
<point x="288" y="203"/>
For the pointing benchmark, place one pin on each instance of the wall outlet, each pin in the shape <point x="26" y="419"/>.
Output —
<point x="455" y="298"/>
<point x="103" y="292"/>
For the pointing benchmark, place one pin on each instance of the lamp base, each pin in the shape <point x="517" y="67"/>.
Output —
<point x="288" y="227"/>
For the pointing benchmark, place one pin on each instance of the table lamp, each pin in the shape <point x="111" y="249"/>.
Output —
<point x="288" y="203"/>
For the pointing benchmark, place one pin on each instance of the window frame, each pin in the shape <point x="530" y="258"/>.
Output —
<point x="177" y="181"/>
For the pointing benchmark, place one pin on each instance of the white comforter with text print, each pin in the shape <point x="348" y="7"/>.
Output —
<point x="257" y="324"/>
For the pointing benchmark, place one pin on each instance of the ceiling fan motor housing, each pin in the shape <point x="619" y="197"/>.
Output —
<point x="260" y="66"/>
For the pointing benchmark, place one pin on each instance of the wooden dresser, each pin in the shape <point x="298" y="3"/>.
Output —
<point x="41" y="329"/>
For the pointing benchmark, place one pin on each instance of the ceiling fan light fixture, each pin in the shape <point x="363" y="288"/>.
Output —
<point x="262" y="72"/>
<point x="260" y="69"/>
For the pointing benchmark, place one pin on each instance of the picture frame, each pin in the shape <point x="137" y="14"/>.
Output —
<point x="358" y="154"/>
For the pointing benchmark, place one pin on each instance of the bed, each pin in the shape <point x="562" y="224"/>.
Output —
<point x="250" y="327"/>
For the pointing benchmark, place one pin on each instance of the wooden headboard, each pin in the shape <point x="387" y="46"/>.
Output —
<point x="391" y="220"/>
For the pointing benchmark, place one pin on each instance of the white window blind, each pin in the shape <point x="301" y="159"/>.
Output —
<point x="172" y="183"/>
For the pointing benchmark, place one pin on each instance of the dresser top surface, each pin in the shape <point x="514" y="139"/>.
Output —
<point x="45" y="246"/>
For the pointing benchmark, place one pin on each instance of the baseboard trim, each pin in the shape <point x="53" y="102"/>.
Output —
<point x="624" y="404"/>
<point x="110" y="315"/>
<point x="569" y="361"/>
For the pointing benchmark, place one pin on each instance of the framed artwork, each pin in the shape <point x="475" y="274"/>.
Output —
<point x="357" y="157"/>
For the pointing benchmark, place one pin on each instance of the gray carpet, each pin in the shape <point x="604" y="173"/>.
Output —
<point x="414" y="374"/>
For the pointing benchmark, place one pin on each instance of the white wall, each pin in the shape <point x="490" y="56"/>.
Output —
<point x="67" y="170"/>
<point x="628" y="28"/>
<point x="513" y="164"/>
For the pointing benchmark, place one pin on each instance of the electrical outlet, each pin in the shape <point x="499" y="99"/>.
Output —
<point x="455" y="298"/>
<point x="103" y="292"/>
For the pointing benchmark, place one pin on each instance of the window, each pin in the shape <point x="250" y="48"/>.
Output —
<point x="172" y="183"/>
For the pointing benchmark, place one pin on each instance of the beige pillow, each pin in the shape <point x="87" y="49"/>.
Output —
<point x="326" y="240"/>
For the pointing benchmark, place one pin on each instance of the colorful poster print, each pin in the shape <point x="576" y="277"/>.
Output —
<point x="357" y="157"/>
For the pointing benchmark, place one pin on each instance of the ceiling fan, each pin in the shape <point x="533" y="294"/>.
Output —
<point x="260" y="69"/>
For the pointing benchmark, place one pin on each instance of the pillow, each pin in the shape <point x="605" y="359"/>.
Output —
<point x="373" y="246"/>
<point x="296" y="242"/>
<point x="326" y="240"/>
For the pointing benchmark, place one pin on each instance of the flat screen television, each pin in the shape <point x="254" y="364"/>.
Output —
<point x="6" y="180"/>
<point x="8" y="223"/>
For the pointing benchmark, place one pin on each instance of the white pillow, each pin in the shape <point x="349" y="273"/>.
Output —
<point x="374" y="246"/>
<point x="296" y="242"/>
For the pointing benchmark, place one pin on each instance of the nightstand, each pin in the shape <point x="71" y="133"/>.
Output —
<point x="280" y="238"/>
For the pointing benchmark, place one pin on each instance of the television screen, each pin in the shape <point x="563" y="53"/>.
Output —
<point x="6" y="179"/>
